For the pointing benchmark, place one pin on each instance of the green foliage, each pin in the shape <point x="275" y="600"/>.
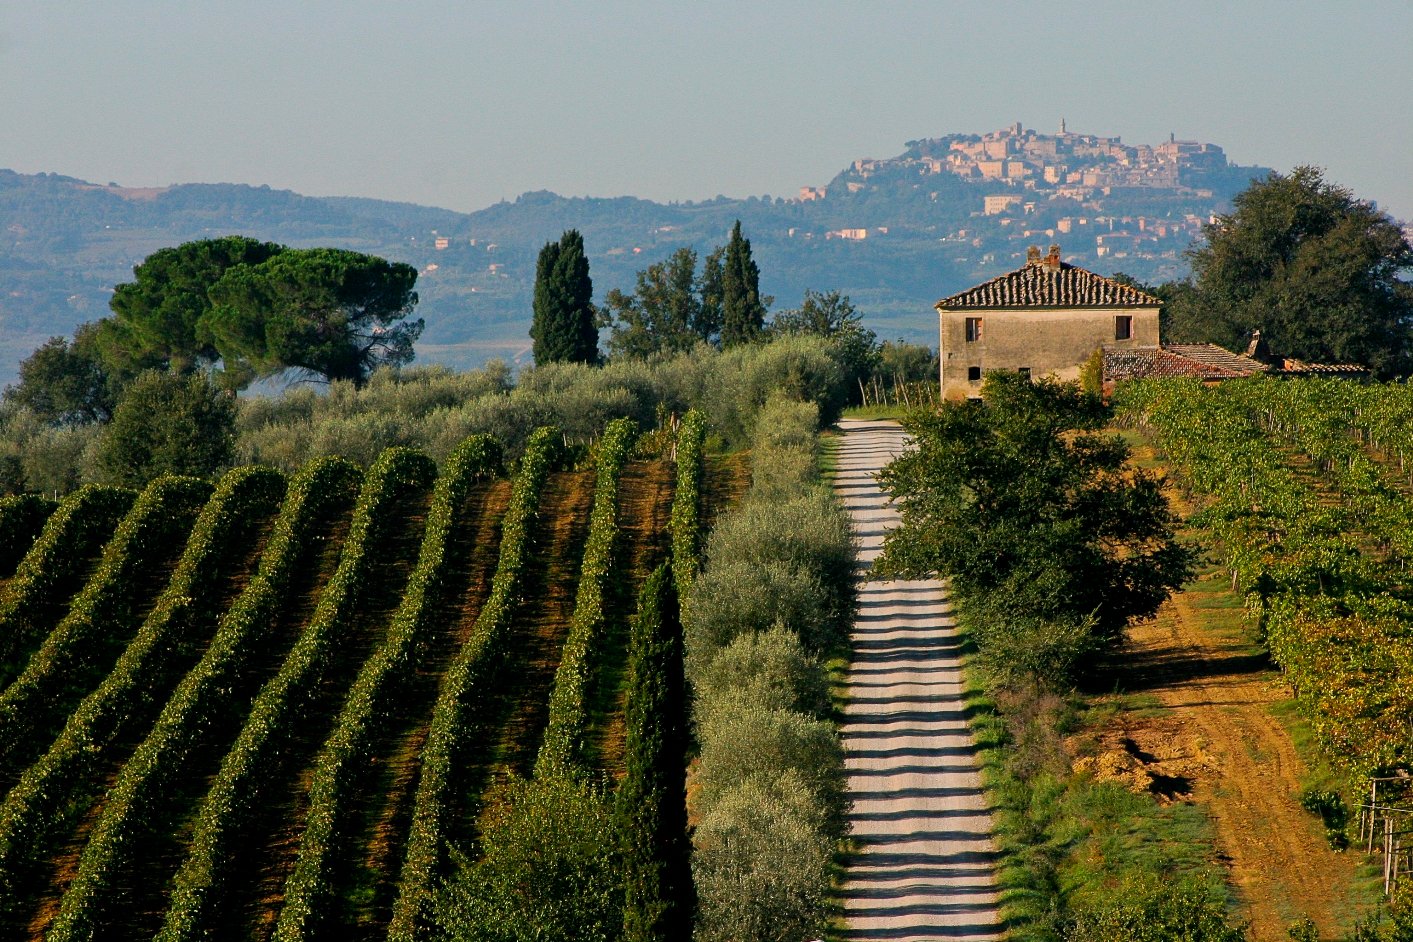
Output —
<point x="549" y="869"/>
<point x="833" y="316"/>
<point x="166" y="424"/>
<point x="218" y="687"/>
<point x="83" y="646"/>
<point x="48" y="575"/>
<point x="1314" y="269"/>
<point x="651" y="807"/>
<point x="685" y="523"/>
<point x="453" y="715"/>
<point x="1160" y="912"/>
<point x="1333" y="813"/>
<point x="742" y="307"/>
<point x="770" y="668"/>
<point x="762" y="864"/>
<point x="311" y="891"/>
<point x="329" y="313"/>
<point x="281" y="704"/>
<point x="1331" y="612"/>
<point x="563" y="328"/>
<point x="22" y="517"/>
<point x="1031" y="513"/>
<point x="63" y="384"/>
<point x="61" y="783"/>
<point x="664" y="314"/>
<point x="162" y="315"/>
<point x="564" y="740"/>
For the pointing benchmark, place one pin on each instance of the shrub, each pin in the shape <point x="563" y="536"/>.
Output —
<point x="734" y="597"/>
<point x="167" y="424"/>
<point x="1156" y="912"/>
<point x="549" y="869"/>
<point x="762" y="863"/>
<point x="749" y="740"/>
<point x="770" y="668"/>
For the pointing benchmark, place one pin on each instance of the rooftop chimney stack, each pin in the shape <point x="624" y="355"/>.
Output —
<point x="1032" y="255"/>
<point x="1052" y="261"/>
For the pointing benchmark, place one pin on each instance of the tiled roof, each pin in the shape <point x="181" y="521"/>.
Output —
<point x="1209" y="354"/>
<point x="1058" y="286"/>
<point x="1204" y="361"/>
<point x="1161" y="362"/>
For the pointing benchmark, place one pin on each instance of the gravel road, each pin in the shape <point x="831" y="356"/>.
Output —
<point x="926" y="867"/>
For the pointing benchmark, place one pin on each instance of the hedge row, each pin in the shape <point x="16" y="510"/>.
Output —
<point x="22" y="518"/>
<point x="310" y="890"/>
<point x="211" y="690"/>
<point x="283" y="703"/>
<point x="102" y="614"/>
<point x="686" y="523"/>
<point x="60" y="784"/>
<point x="773" y="601"/>
<point x="49" y="574"/>
<point x="474" y="665"/>
<point x="562" y="750"/>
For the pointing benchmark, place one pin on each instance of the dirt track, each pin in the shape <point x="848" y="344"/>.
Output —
<point x="926" y="864"/>
<point x="1278" y="860"/>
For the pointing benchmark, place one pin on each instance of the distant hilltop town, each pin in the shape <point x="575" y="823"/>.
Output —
<point x="1144" y="201"/>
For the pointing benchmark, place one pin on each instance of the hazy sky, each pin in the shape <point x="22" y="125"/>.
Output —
<point x="462" y="104"/>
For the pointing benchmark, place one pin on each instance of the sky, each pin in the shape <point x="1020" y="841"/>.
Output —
<point x="462" y="104"/>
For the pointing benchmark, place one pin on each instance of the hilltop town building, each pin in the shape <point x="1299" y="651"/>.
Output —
<point x="1045" y="319"/>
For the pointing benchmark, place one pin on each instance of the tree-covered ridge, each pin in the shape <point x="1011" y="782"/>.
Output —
<point x="68" y="241"/>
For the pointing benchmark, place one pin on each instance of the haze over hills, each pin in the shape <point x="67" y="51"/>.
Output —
<point x="895" y="234"/>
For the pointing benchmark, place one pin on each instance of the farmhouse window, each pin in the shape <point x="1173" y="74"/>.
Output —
<point x="973" y="329"/>
<point x="973" y="374"/>
<point x="1123" y="327"/>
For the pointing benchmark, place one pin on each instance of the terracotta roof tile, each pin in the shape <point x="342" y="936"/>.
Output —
<point x="1156" y="363"/>
<point x="1040" y="285"/>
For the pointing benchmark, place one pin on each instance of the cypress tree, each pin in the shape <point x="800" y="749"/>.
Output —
<point x="742" y="313"/>
<point x="563" y="327"/>
<point x="651" y="803"/>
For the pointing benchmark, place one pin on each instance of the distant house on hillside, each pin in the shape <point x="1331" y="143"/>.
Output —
<point x="1049" y="317"/>
<point x="1045" y="319"/>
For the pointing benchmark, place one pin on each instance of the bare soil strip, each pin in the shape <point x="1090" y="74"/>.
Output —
<point x="644" y="505"/>
<point x="274" y="845"/>
<point x="384" y="804"/>
<point x="925" y="867"/>
<point x="542" y="622"/>
<point x="1278" y="860"/>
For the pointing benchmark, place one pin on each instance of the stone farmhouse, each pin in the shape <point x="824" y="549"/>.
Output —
<point x="1049" y="317"/>
<point x="1045" y="319"/>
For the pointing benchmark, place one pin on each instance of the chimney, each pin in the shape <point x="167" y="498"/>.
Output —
<point x="1052" y="261"/>
<point x="1258" y="349"/>
<point x="1032" y="255"/>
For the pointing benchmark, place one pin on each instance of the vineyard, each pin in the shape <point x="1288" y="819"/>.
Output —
<point x="1307" y="491"/>
<point x="274" y="706"/>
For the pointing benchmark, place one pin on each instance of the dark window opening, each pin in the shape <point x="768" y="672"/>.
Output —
<point x="973" y="329"/>
<point x="973" y="374"/>
<point x="1123" y="327"/>
<point x="1024" y="371"/>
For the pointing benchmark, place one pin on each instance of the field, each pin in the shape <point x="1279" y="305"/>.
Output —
<point x="267" y="708"/>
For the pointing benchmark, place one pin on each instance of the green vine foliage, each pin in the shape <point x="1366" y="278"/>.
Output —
<point x="22" y="517"/>
<point x="1321" y="569"/>
<point x="451" y="726"/>
<point x="79" y="652"/>
<point x="32" y="601"/>
<point x="219" y="685"/>
<point x="562" y="749"/>
<point x="685" y="523"/>
<point x="235" y="794"/>
<point x="62" y="782"/>
<point x="310" y="890"/>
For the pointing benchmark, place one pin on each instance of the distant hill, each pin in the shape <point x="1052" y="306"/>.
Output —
<point x="894" y="234"/>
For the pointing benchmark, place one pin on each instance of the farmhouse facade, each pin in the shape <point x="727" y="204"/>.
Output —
<point x="1045" y="319"/>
